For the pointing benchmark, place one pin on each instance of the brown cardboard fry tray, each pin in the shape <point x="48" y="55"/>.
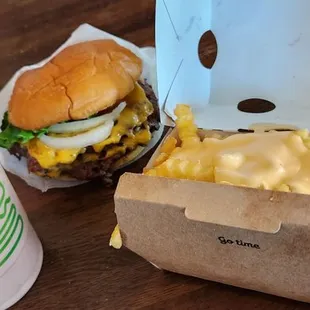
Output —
<point x="244" y="237"/>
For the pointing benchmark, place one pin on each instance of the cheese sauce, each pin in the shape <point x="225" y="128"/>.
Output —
<point x="258" y="160"/>
<point x="274" y="160"/>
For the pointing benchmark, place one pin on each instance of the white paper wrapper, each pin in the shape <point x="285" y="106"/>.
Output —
<point x="83" y="33"/>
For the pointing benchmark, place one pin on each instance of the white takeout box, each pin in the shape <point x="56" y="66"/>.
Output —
<point x="21" y="253"/>
<point x="250" y="238"/>
<point x="263" y="52"/>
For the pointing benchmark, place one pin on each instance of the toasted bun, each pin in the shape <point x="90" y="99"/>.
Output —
<point x="78" y="82"/>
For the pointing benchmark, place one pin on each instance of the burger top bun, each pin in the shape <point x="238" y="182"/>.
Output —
<point x="80" y="81"/>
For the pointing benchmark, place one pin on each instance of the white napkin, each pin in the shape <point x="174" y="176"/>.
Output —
<point x="83" y="33"/>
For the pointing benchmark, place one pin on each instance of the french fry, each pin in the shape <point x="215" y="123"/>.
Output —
<point x="182" y="169"/>
<point x="303" y="133"/>
<point x="185" y="164"/>
<point x="151" y="172"/>
<point x="166" y="149"/>
<point x="185" y="124"/>
<point x="168" y="145"/>
<point x="283" y="188"/>
<point x="160" y="159"/>
<point x="116" y="239"/>
<point x="307" y="143"/>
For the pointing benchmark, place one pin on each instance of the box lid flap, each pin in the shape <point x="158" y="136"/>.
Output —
<point x="245" y="208"/>
<point x="262" y="52"/>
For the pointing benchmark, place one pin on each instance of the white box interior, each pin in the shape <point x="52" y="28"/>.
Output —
<point x="263" y="52"/>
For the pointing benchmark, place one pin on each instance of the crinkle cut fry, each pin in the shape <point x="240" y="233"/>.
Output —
<point x="185" y="123"/>
<point x="116" y="239"/>
<point x="182" y="169"/>
<point x="165" y="165"/>
<point x="167" y="147"/>
<point x="165" y="151"/>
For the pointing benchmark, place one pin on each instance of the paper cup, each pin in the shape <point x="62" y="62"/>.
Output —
<point x="21" y="252"/>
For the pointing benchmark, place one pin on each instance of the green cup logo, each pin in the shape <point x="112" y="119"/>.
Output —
<point x="11" y="228"/>
<point x="21" y="253"/>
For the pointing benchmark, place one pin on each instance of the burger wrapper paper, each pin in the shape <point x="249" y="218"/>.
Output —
<point x="83" y="33"/>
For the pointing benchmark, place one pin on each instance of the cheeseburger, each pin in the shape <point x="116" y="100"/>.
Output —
<point x="83" y="114"/>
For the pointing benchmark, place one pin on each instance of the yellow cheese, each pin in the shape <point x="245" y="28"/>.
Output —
<point x="48" y="157"/>
<point x="272" y="161"/>
<point x="258" y="160"/>
<point x="266" y="160"/>
<point x="135" y="114"/>
<point x="141" y="137"/>
<point x="116" y="239"/>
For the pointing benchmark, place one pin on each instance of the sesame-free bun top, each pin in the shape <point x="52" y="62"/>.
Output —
<point x="80" y="81"/>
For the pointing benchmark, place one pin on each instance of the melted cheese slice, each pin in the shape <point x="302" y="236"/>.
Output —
<point x="48" y="157"/>
<point x="141" y="137"/>
<point x="137" y="110"/>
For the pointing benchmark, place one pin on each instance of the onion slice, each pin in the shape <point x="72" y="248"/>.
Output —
<point x="85" y="139"/>
<point x="78" y="126"/>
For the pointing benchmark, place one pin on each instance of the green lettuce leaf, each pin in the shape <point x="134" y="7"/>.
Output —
<point x="10" y="134"/>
